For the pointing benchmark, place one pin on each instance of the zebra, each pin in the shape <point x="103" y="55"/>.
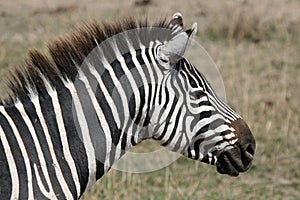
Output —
<point x="71" y="115"/>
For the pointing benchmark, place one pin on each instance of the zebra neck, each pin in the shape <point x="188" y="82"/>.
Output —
<point x="70" y="136"/>
<point x="48" y="156"/>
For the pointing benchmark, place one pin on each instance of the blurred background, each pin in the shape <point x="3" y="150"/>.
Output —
<point x="255" y="44"/>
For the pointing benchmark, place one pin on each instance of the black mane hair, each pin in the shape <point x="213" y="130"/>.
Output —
<point x="64" y="52"/>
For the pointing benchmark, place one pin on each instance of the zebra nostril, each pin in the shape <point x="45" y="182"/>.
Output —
<point x="247" y="155"/>
<point x="246" y="141"/>
<point x="250" y="150"/>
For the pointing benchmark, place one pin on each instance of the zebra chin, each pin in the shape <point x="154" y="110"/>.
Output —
<point x="238" y="157"/>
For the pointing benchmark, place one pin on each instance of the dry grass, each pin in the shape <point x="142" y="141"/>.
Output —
<point x="256" y="45"/>
<point x="251" y="20"/>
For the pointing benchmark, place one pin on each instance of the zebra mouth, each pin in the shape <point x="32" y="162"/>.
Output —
<point x="233" y="160"/>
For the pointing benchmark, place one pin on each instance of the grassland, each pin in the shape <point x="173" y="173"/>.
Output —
<point x="256" y="45"/>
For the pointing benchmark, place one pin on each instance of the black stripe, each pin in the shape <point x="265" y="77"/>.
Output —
<point x="139" y="56"/>
<point x="114" y="93"/>
<point x="201" y="103"/>
<point x="174" y="131"/>
<point x="128" y="60"/>
<point x="148" y="55"/>
<point x="114" y="129"/>
<point x="31" y="112"/>
<point x="115" y="132"/>
<point x="116" y="65"/>
<point x="141" y="106"/>
<point x="154" y="95"/>
<point x="160" y="94"/>
<point x="95" y="130"/>
<point x="132" y="106"/>
<point x="124" y="141"/>
<point x="201" y="116"/>
<point x="147" y="118"/>
<point x="184" y="64"/>
<point x="183" y="133"/>
<point x="75" y="141"/>
<point x="178" y="143"/>
<point x="206" y="114"/>
<point x="167" y="122"/>
<point x="177" y="94"/>
<point x="167" y="95"/>
<point x="5" y="176"/>
<point x="205" y="159"/>
<point x="196" y="151"/>
<point x="50" y="119"/>
<point x="211" y="126"/>
<point x="28" y="143"/>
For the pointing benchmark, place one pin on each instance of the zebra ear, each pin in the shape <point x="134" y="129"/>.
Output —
<point x="169" y="53"/>
<point x="176" y="20"/>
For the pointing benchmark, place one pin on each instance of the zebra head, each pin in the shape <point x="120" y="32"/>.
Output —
<point x="210" y="130"/>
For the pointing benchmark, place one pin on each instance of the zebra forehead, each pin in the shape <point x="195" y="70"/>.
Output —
<point x="69" y="51"/>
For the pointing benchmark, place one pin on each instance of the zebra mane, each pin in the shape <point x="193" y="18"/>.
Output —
<point x="64" y="53"/>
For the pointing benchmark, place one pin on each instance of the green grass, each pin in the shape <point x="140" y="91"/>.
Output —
<point x="256" y="45"/>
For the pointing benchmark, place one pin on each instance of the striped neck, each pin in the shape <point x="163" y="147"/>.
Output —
<point x="71" y="123"/>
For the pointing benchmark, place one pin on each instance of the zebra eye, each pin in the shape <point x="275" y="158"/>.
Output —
<point x="164" y="60"/>
<point x="198" y="94"/>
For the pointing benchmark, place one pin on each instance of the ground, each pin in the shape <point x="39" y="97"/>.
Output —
<point x="255" y="44"/>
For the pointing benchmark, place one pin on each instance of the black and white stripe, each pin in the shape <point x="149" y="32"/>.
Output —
<point x="63" y="132"/>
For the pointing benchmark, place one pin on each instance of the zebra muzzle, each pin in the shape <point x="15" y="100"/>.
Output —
<point x="232" y="161"/>
<point x="238" y="157"/>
